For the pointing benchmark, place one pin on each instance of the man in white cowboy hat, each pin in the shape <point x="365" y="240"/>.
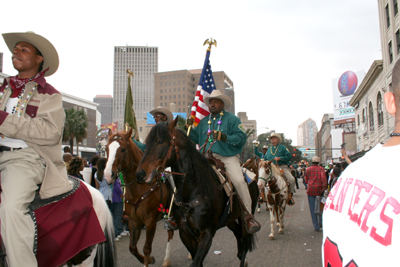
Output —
<point x="281" y="156"/>
<point x="259" y="154"/>
<point x="160" y="114"/>
<point x="228" y="131"/>
<point x="31" y="124"/>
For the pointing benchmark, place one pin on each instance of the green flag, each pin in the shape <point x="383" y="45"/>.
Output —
<point x="130" y="117"/>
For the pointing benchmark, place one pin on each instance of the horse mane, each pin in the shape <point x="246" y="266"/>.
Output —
<point x="203" y="174"/>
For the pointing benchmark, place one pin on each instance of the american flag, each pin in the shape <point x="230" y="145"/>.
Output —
<point x="205" y="87"/>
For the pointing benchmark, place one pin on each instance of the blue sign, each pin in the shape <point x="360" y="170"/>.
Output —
<point x="302" y="149"/>
<point x="150" y="118"/>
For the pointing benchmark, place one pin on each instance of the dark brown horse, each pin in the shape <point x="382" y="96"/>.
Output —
<point x="144" y="198"/>
<point x="201" y="206"/>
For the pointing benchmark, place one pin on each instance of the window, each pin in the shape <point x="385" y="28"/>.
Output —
<point x="387" y="16"/>
<point x="161" y="97"/>
<point x="161" y="91"/>
<point x="358" y="120"/>
<point x="398" y="41"/>
<point x="395" y="7"/>
<point x="371" y="117"/>
<point x="379" y="104"/>
<point x="390" y="52"/>
<point x="363" y="115"/>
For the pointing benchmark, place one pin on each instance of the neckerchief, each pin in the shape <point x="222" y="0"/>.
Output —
<point x="18" y="84"/>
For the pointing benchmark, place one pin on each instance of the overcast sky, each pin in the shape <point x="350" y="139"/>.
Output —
<point x="280" y="55"/>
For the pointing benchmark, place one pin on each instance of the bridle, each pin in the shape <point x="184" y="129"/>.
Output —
<point x="268" y="186"/>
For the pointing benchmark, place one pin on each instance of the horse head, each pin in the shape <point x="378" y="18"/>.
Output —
<point x="119" y="152"/>
<point x="162" y="150"/>
<point x="270" y="174"/>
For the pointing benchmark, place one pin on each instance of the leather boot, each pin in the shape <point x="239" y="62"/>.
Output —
<point x="290" y="199"/>
<point x="252" y="225"/>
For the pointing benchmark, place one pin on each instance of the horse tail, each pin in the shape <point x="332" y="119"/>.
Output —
<point x="249" y="241"/>
<point x="106" y="255"/>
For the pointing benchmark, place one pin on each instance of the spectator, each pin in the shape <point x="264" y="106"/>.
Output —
<point x="334" y="176"/>
<point x="94" y="161"/>
<point x="102" y="185"/>
<point x="361" y="216"/>
<point x="67" y="149"/>
<point x="75" y="166"/>
<point x="316" y="181"/>
<point x="117" y="207"/>
<point x="67" y="158"/>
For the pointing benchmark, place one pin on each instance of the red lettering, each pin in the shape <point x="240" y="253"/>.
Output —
<point x="351" y="264"/>
<point x="387" y="239"/>
<point x="331" y="254"/>
<point x="368" y="208"/>
<point x="333" y="192"/>
<point x="342" y="195"/>
<point x="354" y="216"/>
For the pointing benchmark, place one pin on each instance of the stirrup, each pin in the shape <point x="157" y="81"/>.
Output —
<point x="291" y="204"/>
<point x="169" y="226"/>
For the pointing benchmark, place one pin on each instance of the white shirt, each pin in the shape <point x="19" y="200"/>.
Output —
<point x="11" y="142"/>
<point x="361" y="219"/>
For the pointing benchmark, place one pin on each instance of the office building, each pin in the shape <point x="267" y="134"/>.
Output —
<point x="105" y="107"/>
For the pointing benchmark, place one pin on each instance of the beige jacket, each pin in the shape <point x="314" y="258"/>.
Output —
<point x="41" y="126"/>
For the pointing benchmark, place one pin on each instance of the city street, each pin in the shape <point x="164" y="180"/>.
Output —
<point x="300" y="245"/>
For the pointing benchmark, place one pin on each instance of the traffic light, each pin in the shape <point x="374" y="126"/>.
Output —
<point x="307" y="149"/>
<point x="294" y="155"/>
<point x="294" y="149"/>
<point x="305" y="154"/>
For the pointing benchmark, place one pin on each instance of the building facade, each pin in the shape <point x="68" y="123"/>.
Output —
<point x="306" y="132"/>
<point x="179" y="87"/>
<point x="88" y="146"/>
<point x="373" y="123"/>
<point x="143" y="62"/>
<point x="105" y="108"/>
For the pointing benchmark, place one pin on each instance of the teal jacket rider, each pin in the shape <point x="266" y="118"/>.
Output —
<point x="230" y="125"/>
<point x="279" y="151"/>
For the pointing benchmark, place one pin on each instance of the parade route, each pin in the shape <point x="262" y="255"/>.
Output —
<point x="300" y="245"/>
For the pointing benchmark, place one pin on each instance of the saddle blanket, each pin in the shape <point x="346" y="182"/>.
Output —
<point x="248" y="175"/>
<point x="67" y="227"/>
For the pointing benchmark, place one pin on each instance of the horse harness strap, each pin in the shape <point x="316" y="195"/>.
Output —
<point x="140" y="200"/>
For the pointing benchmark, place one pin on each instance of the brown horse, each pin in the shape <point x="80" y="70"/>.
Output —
<point x="145" y="199"/>
<point x="201" y="206"/>
<point x="277" y="192"/>
<point x="253" y="166"/>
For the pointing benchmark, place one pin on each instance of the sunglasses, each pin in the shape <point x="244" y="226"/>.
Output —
<point x="158" y="116"/>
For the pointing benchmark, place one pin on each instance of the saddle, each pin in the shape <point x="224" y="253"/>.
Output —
<point x="58" y="218"/>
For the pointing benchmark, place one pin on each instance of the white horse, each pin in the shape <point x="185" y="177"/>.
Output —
<point x="276" y="192"/>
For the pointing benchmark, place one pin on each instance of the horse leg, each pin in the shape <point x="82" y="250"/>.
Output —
<point x="167" y="259"/>
<point x="135" y="228"/>
<point x="235" y="228"/>
<point x="205" y="241"/>
<point x="190" y="244"/>
<point x="272" y="218"/>
<point x="242" y="239"/>
<point x="151" y="225"/>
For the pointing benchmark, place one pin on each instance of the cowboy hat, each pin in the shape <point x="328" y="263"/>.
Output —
<point x="218" y="95"/>
<point x="315" y="159"/>
<point x="277" y="136"/>
<point x="265" y="146"/>
<point x="48" y="51"/>
<point x="164" y="111"/>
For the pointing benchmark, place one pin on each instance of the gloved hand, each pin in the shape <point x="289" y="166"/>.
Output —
<point x="189" y="122"/>
<point x="219" y="136"/>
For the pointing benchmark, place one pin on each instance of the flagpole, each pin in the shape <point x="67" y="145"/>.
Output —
<point x="211" y="42"/>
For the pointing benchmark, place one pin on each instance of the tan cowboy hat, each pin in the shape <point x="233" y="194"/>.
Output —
<point x="265" y="146"/>
<point x="276" y="135"/>
<point x="48" y="51"/>
<point x="316" y="159"/>
<point x="218" y="95"/>
<point x="164" y="111"/>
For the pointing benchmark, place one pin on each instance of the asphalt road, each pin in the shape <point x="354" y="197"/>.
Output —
<point x="300" y="245"/>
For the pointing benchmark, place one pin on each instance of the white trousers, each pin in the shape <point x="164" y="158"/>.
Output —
<point x="232" y="167"/>
<point x="21" y="172"/>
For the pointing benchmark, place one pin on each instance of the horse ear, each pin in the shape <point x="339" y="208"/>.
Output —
<point x="109" y="131"/>
<point x="173" y="123"/>
<point x="128" y="134"/>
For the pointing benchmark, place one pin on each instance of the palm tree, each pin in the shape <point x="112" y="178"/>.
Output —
<point x="75" y="127"/>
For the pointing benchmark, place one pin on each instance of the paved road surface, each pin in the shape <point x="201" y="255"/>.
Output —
<point x="300" y="245"/>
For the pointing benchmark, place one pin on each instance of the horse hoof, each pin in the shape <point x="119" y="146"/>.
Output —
<point x="152" y="260"/>
<point x="280" y="232"/>
<point x="166" y="264"/>
<point x="246" y="264"/>
<point x="190" y="256"/>
<point x="271" y="237"/>
<point x="258" y="210"/>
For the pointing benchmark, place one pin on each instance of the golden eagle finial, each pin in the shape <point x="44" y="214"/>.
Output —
<point x="130" y="72"/>
<point x="210" y="42"/>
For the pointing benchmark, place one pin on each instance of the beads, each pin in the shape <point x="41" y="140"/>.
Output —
<point x="394" y="134"/>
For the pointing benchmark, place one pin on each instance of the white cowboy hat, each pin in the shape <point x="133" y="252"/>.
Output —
<point x="316" y="159"/>
<point x="217" y="94"/>
<point x="48" y="51"/>
<point x="276" y="135"/>
<point x="265" y="146"/>
<point x="164" y="111"/>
